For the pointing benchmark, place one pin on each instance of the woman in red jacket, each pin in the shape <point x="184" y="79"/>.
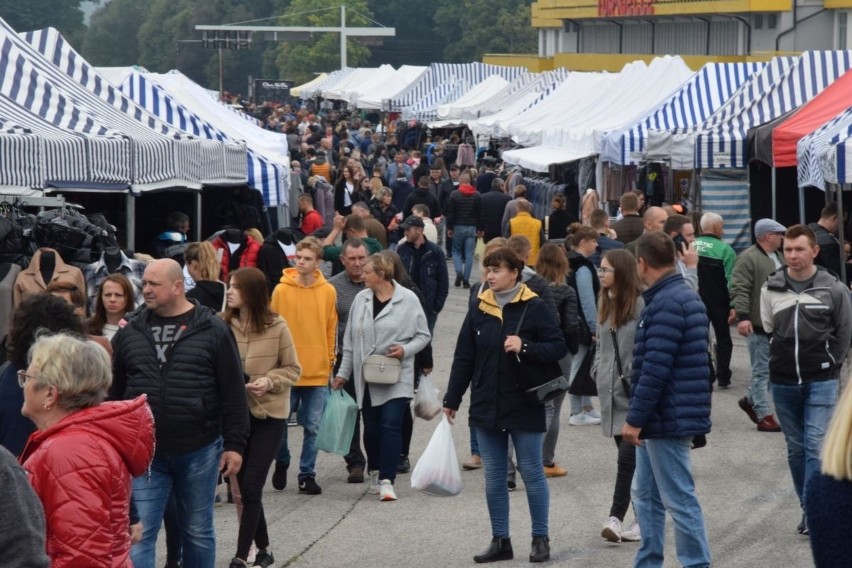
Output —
<point x="81" y="459"/>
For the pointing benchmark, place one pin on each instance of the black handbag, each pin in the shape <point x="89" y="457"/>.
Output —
<point x="624" y="383"/>
<point x="584" y="384"/>
<point x="544" y="381"/>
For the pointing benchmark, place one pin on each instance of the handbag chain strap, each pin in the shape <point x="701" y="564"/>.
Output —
<point x="624" y="384"/>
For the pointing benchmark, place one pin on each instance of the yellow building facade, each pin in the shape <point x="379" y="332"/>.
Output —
<point x="596" y="35"/>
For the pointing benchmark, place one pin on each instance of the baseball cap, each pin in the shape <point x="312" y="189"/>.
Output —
<point x="765" y="226"/>
<point x="413" y="221"/>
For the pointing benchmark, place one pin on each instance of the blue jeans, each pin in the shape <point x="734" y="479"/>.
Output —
<point x="383" y="434"/>
<point x="191" y="479"/>
<point x="308" y="404"/>
<point x="578" y="403"/>
<point x="804" y="412"/>
<point x="494" y="447"/>
<point x="758" y="389"/>
<point x="663" y="483"/>
<point x="464" y="241"/>
<point x="474" y="443"/>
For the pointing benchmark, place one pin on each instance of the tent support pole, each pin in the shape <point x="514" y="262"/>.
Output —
<point x="130" y="215"/>
<point x="197" y="223"/>
<point x="840" y="227"/>
<point x="802" y="205"/>
<point x="774" y="195"/>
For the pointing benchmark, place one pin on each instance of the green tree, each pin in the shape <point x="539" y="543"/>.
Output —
<point x="27" y="15"/>
<point x="415" y="42"/>
<point x="298" y="61"/>
<point x="471" y="28"/>
<point x="111" y="39"/>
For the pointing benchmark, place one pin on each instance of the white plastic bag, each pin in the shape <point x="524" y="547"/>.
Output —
<point x="426" y="404"/>
<point x="437" y="470"/>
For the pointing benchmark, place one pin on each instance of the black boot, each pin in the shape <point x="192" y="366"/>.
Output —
<point x="499" y="549"/>
<point x="540" y="549"/>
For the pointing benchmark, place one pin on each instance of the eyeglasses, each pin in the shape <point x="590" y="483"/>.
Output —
<point x="23" y="377"/>
<point x="604" y="270"/>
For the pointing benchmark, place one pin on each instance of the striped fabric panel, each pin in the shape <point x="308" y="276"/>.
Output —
<point x="725" y="143"/>
<point x="20" y="161"/>
<point x="698" y="99"/>
<point x="726" y="192"/>
<point x="815" y="152"/>
<point x="330" y="81"/>
<point x="259" y="172"/>
<point x="109" y="161"/>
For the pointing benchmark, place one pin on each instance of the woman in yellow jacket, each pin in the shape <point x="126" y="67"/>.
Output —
<point x="272" y="367"/>
<point x="523" y="223"/>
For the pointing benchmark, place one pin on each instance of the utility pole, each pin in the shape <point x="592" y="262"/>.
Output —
<point x="342" y="36"/>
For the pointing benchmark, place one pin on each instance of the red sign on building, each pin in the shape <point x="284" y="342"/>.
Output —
<point x="619" y="8"/>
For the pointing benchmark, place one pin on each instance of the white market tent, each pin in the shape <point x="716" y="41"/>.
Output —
<point x="309" y="91"/>
<point x="473" y="98"/>
<point x="265" y="174"/>
<point x="347" y="87"/>
<point x="446" y="74"/>
<point x="702" y="95"/>
<point x="182" y="101"/>
<point x="370" y="96"/>
<point x="318" y="80"/>
<point x="510" y="108"/>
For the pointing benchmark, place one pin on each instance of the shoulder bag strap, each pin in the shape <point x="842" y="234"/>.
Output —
<point x="224" y="297"/>
<point x="521" y="321"/>
<point x="624" y="384"/>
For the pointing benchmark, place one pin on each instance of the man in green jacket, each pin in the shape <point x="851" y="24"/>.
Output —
<point x="751" y="270"/>
<point x="715" y="264"/>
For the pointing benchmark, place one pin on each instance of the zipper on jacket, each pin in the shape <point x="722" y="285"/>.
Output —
<point x="796" y="339"/>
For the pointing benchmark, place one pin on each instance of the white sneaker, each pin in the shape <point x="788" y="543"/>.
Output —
<point x="593" y="413"/>
<point x="612" y="530"/>
<point x="633" y="534"/>
<point x="373" y="488"/>
<point x="386" y="492"/>
<point x="583" y="419"/>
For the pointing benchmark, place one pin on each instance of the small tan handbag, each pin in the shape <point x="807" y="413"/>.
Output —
<point x="381" y="370"/>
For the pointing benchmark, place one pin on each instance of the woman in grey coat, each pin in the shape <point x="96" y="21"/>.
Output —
<point x="618" y="313"/>
<point x="385" y="319"/>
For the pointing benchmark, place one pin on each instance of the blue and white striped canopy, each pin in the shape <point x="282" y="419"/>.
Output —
<point x="701" y="96"/>
<point x="723" y="139"/>
<point x="163" y="156"/>
<point x="444" y="74"/>
<point x="333" y="78"/>
<point x="269" y="177"/>
<point x="817" y="153"/>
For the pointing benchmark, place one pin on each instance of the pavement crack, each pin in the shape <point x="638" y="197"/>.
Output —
<point x="310" y="545"/>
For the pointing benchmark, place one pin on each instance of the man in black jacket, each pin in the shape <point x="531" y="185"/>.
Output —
<point x="829" y="246"/>
<point x="445" y="188"/>
<point x="186" y="361"/>
<point x="491" y="208"/>
<point x="425" y="263"/>
<point x="464" y="225"/>
<point x="422" y="195"/>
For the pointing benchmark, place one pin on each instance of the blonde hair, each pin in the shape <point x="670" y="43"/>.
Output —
<point x="255" y="234"/>
<point x="79" y="369"/>
<point x="382" y="263"/>
<point x="837" y="445"/>
<point x="205" y="255"/>
<point x="312" y="244"/>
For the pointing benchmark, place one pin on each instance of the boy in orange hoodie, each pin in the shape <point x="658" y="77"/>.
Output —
<point x="309" y="305"/>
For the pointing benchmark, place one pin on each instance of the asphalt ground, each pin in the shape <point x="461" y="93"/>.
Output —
<point x="742" y="480"/>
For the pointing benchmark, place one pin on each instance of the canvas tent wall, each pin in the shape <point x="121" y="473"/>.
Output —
<point x="723" y="143"/>
<point x="702" y="95"/>
<point x="318" y="80"/>
<point x="265" y="163"/>
<point x="472" y="99"/>
<point x="162" y="156"/>
<point x="445" y="74"/>
<point x="310" y="91"/>
<point x="372" y="95"/>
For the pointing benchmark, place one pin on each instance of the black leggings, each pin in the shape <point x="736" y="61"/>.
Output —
<point x="264" y="439"/>
<point x="623" y="478"/>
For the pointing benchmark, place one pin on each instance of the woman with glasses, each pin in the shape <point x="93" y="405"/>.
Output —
<point x="618" y="313"/>
<point x="582" y="242"/>
<point x="85" y="451"/>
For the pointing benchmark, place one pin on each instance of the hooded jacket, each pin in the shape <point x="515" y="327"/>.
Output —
<point x="463" y="207"/>
<point x="245" y="255"/>
<point x="751" y="270"/>
<point x="81" y="468"/>
<point x="497" y="400"/>
<point x="810" y="330"/>
<point x="311" y="314"/>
